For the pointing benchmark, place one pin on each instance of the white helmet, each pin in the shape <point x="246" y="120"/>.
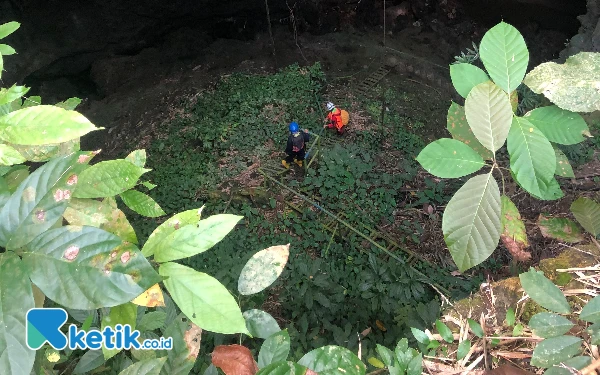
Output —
<point x="330" y="106"/>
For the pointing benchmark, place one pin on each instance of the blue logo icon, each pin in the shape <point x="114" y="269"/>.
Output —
<point x="43" y="325"/>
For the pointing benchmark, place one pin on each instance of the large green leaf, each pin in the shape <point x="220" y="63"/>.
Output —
<point x="43" y="124"/>
<point x="69" y="104"/>
<point x="8" y="28"/>
<point x="561" y="229"/>
<point x="181" y="358"/>
<point x="263" y="269"/>
<point x="87" y="268"/>
<point x="449" y="158"/>
<point x="141" y="203"/>
<point x="573" y="85"/>
<point x="471" y="221"/>
<point x="563" y="167"/>
<point x="193" y="239"/>
<point x="275" y="348"/>
<point x="16" y="298"/>
<point x="544" y="292"/>
<point x="15" y="176"/>
<point x="532" y="158"/>
<point x="158" y="238"/>
<point x="465" y="77"/>
<point x="10" y="156"/>
<point x="11" y="94"/>
<point x="489" y="114"/>
<point x="39" y="201"/>
<point x="46" y="152"/>
<point x="555" y="350"/>
<point x="458" y="126"/>
<point x="108" y="178"/>
<point x="283" y="368"/>
<point x="6" y="50"/>
<point x="203" y="299"/>
<point x="137" y="157"/>
<point x="146" y="367"/>
<point x="587" y="213"/>
<point x="331" y="359"/>
<point x="591" y="311"/>
<point x="444" y="331"/>
<point x="505" y="56"/>
<point x="547" y="325"/>
<point x="121" y="314"/>
<point x="559" y="125"/>
<point x="260" y="323"/>
<point x="577" y="362"/>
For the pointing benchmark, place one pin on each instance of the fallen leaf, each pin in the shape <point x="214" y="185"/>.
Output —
<point x="192" y="339"/>
<point x="151" y="298"/>
<point x="234" y="360"/>
<point x="516" y="249"/>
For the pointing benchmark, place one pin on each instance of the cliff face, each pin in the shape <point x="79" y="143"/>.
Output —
<point x="588" y="38"/>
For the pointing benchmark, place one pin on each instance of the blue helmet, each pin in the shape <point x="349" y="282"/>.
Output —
<point x="294" y="127"/>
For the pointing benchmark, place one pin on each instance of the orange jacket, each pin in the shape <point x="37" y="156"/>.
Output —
<point x="335" y="119"/>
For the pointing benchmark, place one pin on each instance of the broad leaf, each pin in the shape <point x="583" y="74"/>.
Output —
<point x="513" y="234"/>
<point x="458" y="126"/>
<point x="463" y="349"/>
<point x="444" y="331"/>
<point x="69" y="104"/>
<point x="558" y="125"/>
<point x="6" y="50"/>
<point x="234" y="360"/>
<point x="12" y="94"/>
<point x="591" y="311"/>
<point x="137" y="157"/>
<point x="147" y="367"/>
<point x="194" y="239"/>
<point x="475" y="328"/>
<point x="386" y="355"/>
<point x="420" y="336"/>
<point x="46" y="152"/>
<point x="549" y="189"/>
<point x="283" y="368"/>
<point x="532" y="158"/>
<point x="141" y="203"/>
<point x="510" y="317"/>
<point x="186" y="346"/>
<point x="107" y="271"/>
<point x="1" y="65"/>
<point x="465" y="77"/>
<point x="505" y="56"/>
<point x="415" y="366"/>
<point x="122" y="314"/>
<point x="203" y="299"/>
<point x="449" y="158"/>
<point x="563" y="167"/>
<point x="329" y="360"/>
<point x="32" y="101"/>
<point x="577" y="363"/>
<point x="39" y="201"/>
<point x="572" y="86"/>
<point x="587" y="213"/>
<point x="90" y="360"/>
<point x="10" y="156"/>
<point x="16" y="298"/>
<point x="152" y="297"/>
<point x="43" y="124"/>
<point x="108" y="178"/>
<point x="152" y="320"/>
<point x="275" y="348"/>
<point x="260" y="323"/>
<point x="544" y="292"/>
<point x="263" y="269"/>
<point x="17" y="175"/>
<point x="158" y="238"/>
<point x="555" y="350"/>
<point x="489" y="114"/>
<point x="471" y="222"/>
<point x="547" y="325"/>
<point x="8" y="28"/>
<point x="514" y="101"/>
<point x="561" y="229"/>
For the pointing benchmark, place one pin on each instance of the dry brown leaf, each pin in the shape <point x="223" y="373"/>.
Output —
<point x="234" y="360"/>
<point x="365" y="332"/>
<point x="512" y="355"/>
<point x="515" y="248"/>
<point x="150" y="298"/>
<point x="507" y="370"/>
<point x="192" y="338"/>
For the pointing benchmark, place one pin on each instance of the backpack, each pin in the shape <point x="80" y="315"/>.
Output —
<point x="297" y="142"/>
<point x="345" y="117"/>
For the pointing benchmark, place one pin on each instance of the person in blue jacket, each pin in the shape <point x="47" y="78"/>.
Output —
<point x="296" y="146"/>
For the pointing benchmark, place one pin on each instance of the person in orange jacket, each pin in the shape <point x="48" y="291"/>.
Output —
<point x="334" y="119"/>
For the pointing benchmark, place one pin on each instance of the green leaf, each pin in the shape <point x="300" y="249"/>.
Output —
<point x="475" y="328"/>
<point x="386" y="355"/>
<point x="39" y="201"/>
<point x="577" y="362"/>
<point x="12" y="94"/>
<point x="550" y="190"/>
<point x="458" y="126"/>
<point x="532" y="157"/>
<point x="444" y="331"/>
<point x="137" y="157"/>
<point x="587" y="213"/>
<point x="141" y="203"/>
<point x="263" y="269"/>
<point x="471" y="221"/>
<point x="8" y="28"/>
<point x="591" y="311"/>
<point x="594" y="332"/>
<point x="510" y="317"/>
<point x="512" y="225"/>
<point x="162" y="234"/>
<point x="16" y="298"/>
<point x="420" y="336"/>
<point x="1" y="65"/>
<point x="108" y="178"/>
<point x="69" y="104"/>
<point x="275" y="348"/>
<point x="260" y="323"/>
<point x="194" y="239"/>
<point x="463" y="349"/>
<point x="32" y="101"/>
<point x="181" y="358"/>
<point x="559" y="125"/>
<point x="203" y="299"/>
<point x="6" y="50"/>
<point x="43" y="124"/>
<point x="518" y="330"/>
<point x="543" y="292"/>
<point x="17" y="175"/>
<point x="283" y="368"/>
<point x="488" y="111"/>
<point x="561" y="229"/>
<point x="148" y="185"/>
<point x="331" y="359"/>
<point x="555" y="350"/>
<point x="505" y="56"/>
<point x="375" y="362"/>
<point x="572" y="86"/>
<point x="465" y="77"/>
<point x="548" y="325"/>
<point x="449" y="158"/>
<point x="121" y="314"/>
<point x="46" y="152"/>
<point x="152" y="320"/>
<point x="92" y="359"/>
<point x="563" y="167"/>
<point x="415" y="366"/>
<point x="10" y="156"/>
<point x="107" y="271"/>
<point x="147" y="367"/>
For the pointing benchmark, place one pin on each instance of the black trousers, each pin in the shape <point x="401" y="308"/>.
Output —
<point x="296" y="155"/>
